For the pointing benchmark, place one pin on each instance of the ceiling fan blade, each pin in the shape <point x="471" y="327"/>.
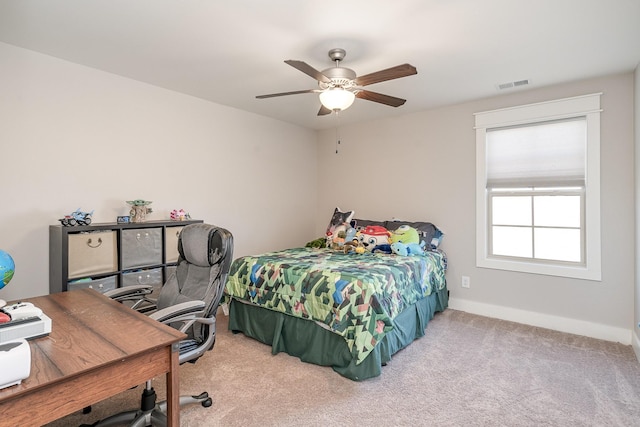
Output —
<point x="271" y="95"/>
<point x="324" y="111"/>
<point x="396" y="72"/>
<point x="308" y="70"/>
<point x="382" y="99"/>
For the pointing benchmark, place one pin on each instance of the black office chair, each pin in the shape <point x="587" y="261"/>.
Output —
<point x="188" y="301"/>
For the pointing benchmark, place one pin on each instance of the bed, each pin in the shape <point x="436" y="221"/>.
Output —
<point x="349" y="311"/>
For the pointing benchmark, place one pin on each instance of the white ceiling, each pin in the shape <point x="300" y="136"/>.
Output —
<point x="230" y="51"/>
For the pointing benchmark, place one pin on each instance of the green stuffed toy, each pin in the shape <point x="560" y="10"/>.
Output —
<point x="320" y="242"/>
<point x="406" y="235"/>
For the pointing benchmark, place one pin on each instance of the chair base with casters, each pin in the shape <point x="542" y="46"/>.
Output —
<point x="188" y="301"/>
<point x="150" y="412"/>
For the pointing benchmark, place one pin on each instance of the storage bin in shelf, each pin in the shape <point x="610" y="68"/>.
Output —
<point x="171" y="235"/>
<point x="151" y="277"/>
<point x="92" y="252"/>
<point x="103" y="284"/>
<point x="141" y="247"/>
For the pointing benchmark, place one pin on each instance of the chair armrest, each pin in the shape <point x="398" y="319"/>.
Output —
<point x="137" y="297"/>
<point x="183" y="311"/>
<point x="129" y="291"/>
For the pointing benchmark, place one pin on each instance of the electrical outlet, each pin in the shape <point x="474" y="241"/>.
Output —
<point x="466" y="282"/>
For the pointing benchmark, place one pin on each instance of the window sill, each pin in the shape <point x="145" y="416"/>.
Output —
<point x="574" y="272"/>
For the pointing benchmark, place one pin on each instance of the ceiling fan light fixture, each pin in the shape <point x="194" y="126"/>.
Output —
<point x="337" y="99"/>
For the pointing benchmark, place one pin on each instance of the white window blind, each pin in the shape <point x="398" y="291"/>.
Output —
<point x="547" y="154"/>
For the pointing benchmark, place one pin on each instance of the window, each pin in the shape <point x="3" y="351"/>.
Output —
<point x="537" y="224"/>
<point x="538" y="190"/>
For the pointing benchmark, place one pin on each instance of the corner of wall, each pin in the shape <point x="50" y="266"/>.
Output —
<point x="636" y="112"/>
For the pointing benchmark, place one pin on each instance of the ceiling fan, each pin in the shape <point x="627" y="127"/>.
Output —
<point x="339" y="86"/>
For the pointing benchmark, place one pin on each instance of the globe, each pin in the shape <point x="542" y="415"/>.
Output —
<point x="7" y="267"/>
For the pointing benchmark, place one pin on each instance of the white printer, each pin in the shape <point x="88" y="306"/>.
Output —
<point x="22" y="320"/>
<point x="15" y="359"/>
<point x="17" y="322"/>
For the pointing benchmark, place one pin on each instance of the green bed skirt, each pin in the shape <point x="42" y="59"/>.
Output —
<point x="314" y="344"/>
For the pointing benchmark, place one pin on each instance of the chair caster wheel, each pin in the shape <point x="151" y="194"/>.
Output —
<point x="208" y="402"/>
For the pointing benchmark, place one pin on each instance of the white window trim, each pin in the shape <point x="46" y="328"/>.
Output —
<point x="587" y="106"/>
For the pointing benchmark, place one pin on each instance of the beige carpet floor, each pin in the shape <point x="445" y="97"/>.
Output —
<point x="467" y="371"/>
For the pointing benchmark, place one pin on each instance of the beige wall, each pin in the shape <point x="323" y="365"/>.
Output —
<point x="636" y="322"/>
<point x="422" y="167"/>
<point x="74" y="137"/>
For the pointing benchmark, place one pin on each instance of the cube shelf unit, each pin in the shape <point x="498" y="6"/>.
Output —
<point x="110" y="255"/>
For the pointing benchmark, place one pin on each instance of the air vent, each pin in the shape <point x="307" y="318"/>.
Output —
<point x="510" y="85"/>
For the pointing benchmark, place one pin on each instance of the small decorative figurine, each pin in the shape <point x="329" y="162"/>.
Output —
<point x="76" y="218"/>
<point x="139" y="210"/>
<point x="179" y="215"/>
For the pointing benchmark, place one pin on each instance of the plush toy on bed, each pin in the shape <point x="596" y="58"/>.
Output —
<point x="405" y="234"/>
<point x="350" y="235"/>
<point x="343" y="239"/>
<point x="372" y="236"/>
<point x="384" y="248"/>
<point x="340" y="222"/>
<point x="403" y="249"/>
<point x="353" y="246"/>
<point x="320" y="242"/>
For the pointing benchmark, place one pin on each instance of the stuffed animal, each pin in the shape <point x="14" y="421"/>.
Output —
<point x="320" y="242"/>
<point x="339" y="223"/>
<point x="345" y="240"/>
<point x="350" y="234"/>
<point x="353" y="246"/>
<point x="372" y="236"/>
<point x="405" y="234"/>
<point x="385" y="249"/>
<point x="403" y="249"/>
<point x="338" y="237"/>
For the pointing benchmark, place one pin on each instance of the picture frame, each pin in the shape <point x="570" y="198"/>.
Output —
<point x="123" y="219"/>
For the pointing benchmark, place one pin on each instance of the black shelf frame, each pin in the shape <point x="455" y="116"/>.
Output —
<point x="59" y="249"/>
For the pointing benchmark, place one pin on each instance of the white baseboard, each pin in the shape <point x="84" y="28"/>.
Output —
<point x="562" y="324"/>
<point x="636" y="345"/>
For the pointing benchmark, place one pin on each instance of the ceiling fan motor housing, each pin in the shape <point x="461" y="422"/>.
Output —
<point x="340" y="77"/>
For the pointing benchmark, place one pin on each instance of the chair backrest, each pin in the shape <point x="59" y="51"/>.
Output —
<point x="205" y="255"/>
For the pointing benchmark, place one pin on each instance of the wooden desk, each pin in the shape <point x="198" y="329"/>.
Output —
<point x="96" y="349"/>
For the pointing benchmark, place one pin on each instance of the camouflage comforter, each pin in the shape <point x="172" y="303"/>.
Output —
<point x="355" y="296"/>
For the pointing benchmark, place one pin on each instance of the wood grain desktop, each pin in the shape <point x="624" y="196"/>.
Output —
<point x="96" y="349"/>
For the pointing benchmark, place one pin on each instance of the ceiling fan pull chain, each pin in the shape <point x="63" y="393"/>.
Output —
<point x="337" y="130"/>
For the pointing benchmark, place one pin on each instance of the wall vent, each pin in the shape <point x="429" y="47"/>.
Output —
<point x="509" y="85"/>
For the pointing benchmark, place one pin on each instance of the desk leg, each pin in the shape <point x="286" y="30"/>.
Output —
<point x="173" y="388"/>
